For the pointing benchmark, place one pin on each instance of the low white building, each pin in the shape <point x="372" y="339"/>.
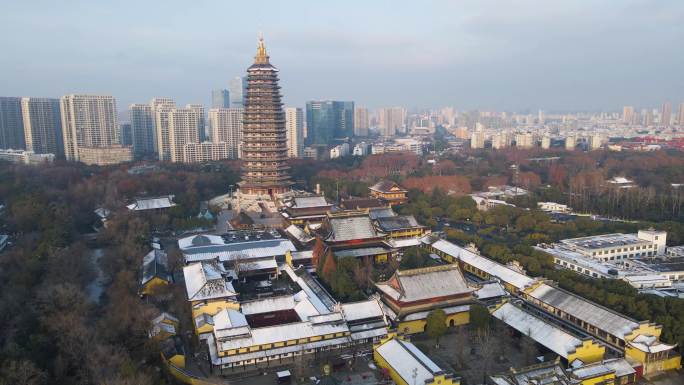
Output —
<point x="26" y="157"/>
<point x="553" y="207"/>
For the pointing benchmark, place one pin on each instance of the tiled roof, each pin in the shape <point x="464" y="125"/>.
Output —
<point x="385" y="186"/>
<point x="351" y="228"/>
<point x="425" y="283"/>
<point x="397" y="223"/>
<point x="155" y="265"/>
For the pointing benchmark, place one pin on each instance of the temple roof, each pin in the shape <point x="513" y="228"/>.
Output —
<point x="351" y="228"/>
<point x="425" y="283"/>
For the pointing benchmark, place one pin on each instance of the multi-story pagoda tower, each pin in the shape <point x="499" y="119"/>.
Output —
<point x="264" y="137"/>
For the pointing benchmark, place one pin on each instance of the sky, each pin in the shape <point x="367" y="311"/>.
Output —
<point x="561" y="55"/>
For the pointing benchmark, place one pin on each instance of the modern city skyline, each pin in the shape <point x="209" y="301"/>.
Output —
<point x="462" y="60"/>
<point x="327" y="120"/>
<point x="91" y="130"/>
<point x="220" y="98"/>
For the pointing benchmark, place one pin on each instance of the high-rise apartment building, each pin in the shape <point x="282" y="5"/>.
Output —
<point x="327" y="120"/>
<point x="125" y="134"/>
<point x="666" y="114"/>
<point x="570" y="143"/>
<point x="142" y="129"/>
<point x="391" y="121"/>
<point x="42" y="126"/>
<point x="226" y="126"/>
<point x="160" y="109"/>
<point x="11" y="124"/>
<point x="361" y="121"/>
<point x="477" y="139"/>
<point x="264" y="137"/>
<point x="184" y="128"/>
<point x="524" y="140"/>
<point x="90" y="127"/>
<point x="237" y="91"/>
<point x="681" y="114"/>
<point x="294" y="124"/>
<point x="500" y="140"/>
<point x="220" y="98"/>
<point x="204" y="135"/>
<point x="628" y="115"/>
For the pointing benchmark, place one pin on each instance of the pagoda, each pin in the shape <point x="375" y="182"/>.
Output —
<point x="264" y="138"/>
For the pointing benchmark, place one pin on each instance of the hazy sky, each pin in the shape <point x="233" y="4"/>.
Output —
<point x="506" y="55"/>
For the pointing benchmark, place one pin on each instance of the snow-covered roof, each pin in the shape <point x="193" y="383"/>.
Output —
<point x="155" y="264"/>
<point x="285" y="332"/>
<point x="304" y="254"/>
<point x="404" y="242"/>
<point x="312" y="201"/>
<point x="142" y="204"/>
<point x="297" y="233"/>
<point x="354" y="311"/>
<point x="490" y="267"/>
<point x="200" y="240"/>
<point x="582" y="309"/>
<point x="205" y="281"/>
<point x="490" y="290"/>
<point x="425" y="283"/>
<point x="650" y="344"/>
<point x="412" y="365"/>
<point x="555" y="339"/>
<point x="351" y="228"/>
<point x="259" y="264"/>
<point x="225" y="252"/>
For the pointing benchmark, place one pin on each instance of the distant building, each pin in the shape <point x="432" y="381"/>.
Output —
<point x="310" y="153"/>
<point x="104" y="156"/>
<point x="524" y="140"/>
<point x="477" y="140"/>
<point x="142" y="128"/>
<point x="666" y="114"/>
<point x="595" y="142"/>
<point x="361" y="121"/>
<point x="26" y="157"/>
<point x="220" y="98"/>
<point x="237" y="92"/>
<point x="681" y="114"/>
<point x="553" y="207"/>
<point x="501" y="140"/>
<point x="42" y="126"/>
<point x="125" y="134"/>
<point x="294" y="123"/>
<point x="184" y="128"/>
<point x="161" y="108"/>
<point x="89" y="124"/>
<point x="628" y="115"/>
<point x="328" y="120"/>
<point x="361" y="149"/>
<point x="205" y="152"/>
<point x="391" y="120"/>
<point x="570" y="143"/>
<point x="226" y="126"/>
<point x="339" y="151"/>
<point x="11" y="124"/>
<point x="546" y="142"/>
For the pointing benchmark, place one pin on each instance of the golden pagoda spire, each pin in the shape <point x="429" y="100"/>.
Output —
<point x="261" y="56"/>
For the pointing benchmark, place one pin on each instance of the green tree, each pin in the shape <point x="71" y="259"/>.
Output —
<point x="479" y="317"/>
<point x="436" y="325"/>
